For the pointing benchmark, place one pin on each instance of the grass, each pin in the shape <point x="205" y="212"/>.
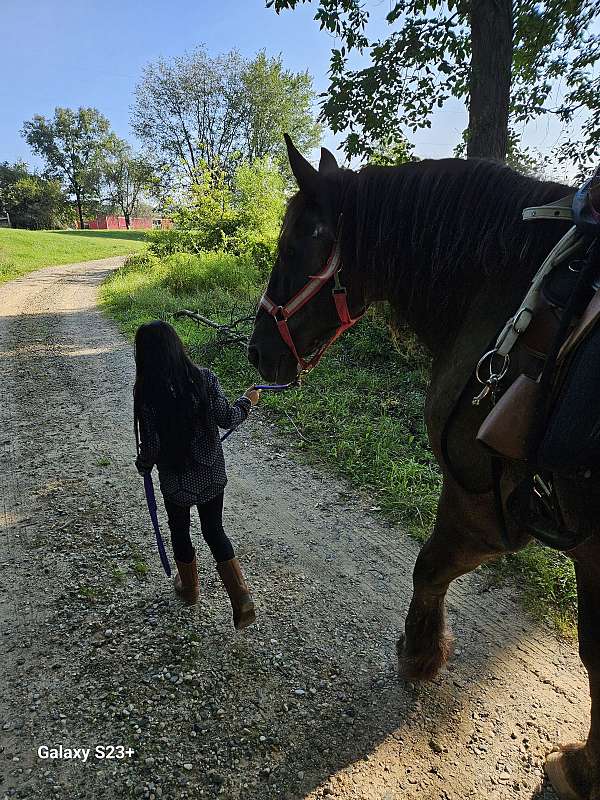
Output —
<point x="89" y="592"/>
<point x="140" y="568"/>
<point x="118" y="575"/>
<point x="360" y="413"/>
<point x="22" y="251"/>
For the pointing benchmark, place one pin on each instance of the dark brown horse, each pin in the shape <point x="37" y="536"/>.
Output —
<point x="444" y="244"/>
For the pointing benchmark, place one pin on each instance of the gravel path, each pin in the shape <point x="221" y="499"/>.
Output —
<point x="96" y="649"/>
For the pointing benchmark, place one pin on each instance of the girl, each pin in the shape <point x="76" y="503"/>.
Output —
<point x="178" y="411"/>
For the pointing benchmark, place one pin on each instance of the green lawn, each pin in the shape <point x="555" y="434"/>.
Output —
<point x="22" y="251"/>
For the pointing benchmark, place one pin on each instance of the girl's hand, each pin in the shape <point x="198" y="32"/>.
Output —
<point x="253" y="395"/>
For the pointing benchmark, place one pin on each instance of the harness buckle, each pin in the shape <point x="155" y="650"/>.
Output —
<point x="525" y="314"/>
<point x="279" y="314"/>
<point x="541" y="488"/>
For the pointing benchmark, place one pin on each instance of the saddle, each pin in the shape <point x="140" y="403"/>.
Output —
<point x="548" y="418"/>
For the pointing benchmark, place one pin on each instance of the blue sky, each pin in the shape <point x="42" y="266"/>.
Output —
<point x="72" y="53"/>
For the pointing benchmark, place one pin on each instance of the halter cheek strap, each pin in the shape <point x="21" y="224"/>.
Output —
<point x="281" y="314"/>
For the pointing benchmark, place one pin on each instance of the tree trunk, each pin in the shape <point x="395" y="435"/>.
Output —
<point x="79" y="210"/>
<point x="127" y="220"/>
<point x="491" y="64"/>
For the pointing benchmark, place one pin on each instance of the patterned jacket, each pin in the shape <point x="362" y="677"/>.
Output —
<point x="206" y="477"/>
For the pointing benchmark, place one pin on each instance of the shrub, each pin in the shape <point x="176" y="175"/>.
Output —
<point x="188" y="274"/>
<point x="243" y="220"/>
<point x="140" y="261"/>
<point x="174" y="240"/>
<point x="259" y="198"/>
<point x="207" y="208"/>
<point x="259" y="252"/>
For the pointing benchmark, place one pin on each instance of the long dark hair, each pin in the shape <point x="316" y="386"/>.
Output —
<point x="171" y="387"/>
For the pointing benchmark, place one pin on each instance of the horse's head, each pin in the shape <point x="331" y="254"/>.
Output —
<point x="300" y="314"/>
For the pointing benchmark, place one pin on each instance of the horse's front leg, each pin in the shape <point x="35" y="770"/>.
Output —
<point x="574" y="769"/>
<point x="466" y="534"/>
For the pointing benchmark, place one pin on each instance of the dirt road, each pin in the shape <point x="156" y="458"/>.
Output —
<point x="97" y="651"/>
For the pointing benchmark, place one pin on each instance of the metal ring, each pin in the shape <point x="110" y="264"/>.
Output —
<point x="480" y="362"/>
<point x="504" y="370"/>
<point x="494" y="376"/>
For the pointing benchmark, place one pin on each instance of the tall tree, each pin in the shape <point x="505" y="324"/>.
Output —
<point x="198" y="109"/>
<point x="503" y="58"/>
<point x="127" y="177"/>
<point x="74" y="145"/>
<point x="491" y="23"/>
<point x="276" y="101"/>
<point x="187" y="110"/>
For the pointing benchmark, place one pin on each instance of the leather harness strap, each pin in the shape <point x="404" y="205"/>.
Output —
<point x="559" y="209"/>
<point x="579" y="208"/>
<point x="281" y="314"/>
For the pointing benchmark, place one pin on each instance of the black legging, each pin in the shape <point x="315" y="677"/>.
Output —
<point x="211" y="520"/>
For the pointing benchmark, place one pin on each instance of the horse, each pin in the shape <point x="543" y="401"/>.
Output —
<point x="443" y="242"/>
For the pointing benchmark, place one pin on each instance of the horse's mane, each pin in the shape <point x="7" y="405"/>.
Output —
<point x="436" y="229"/>
<point x="432" y="232"/>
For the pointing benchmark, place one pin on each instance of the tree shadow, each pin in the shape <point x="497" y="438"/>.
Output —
<point x="120" y="234"/>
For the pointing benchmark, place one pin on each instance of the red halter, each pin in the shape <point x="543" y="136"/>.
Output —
<point x="281" y="314"/>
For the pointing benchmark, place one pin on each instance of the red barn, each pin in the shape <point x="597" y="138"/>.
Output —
<point x="108" y="222"/>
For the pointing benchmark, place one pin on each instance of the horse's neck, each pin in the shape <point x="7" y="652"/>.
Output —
<point x="435" y="299"/>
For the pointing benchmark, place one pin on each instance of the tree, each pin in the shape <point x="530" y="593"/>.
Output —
<point x="241" y="216"/>
<point x="205" y="207"/>
<point x="526" y="160"/>
<point x="127" y="176"/>
<point x="198" y="110"/>
<point x="259" y="198"/>
<point x="491" y="38"/>
<point x="32" y="201"/>
<point x="502" y="58"/>
<point x="276" y="101"/>
<point x="260" y="191"/>
<point x="391" y="153"/>
<point x="75" y="145"/>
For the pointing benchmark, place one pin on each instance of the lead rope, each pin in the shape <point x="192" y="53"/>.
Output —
<point x="266" y="387"/>
<point x="152" y="507"/>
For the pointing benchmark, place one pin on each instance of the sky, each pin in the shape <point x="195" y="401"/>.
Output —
<point x="68" y="53"/>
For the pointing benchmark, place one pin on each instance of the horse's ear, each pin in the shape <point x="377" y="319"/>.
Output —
<point x="305" y="174"/>
<point x="327" y="164"/>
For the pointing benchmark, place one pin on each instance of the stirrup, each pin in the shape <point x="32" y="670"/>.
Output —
<point x="527" y="509"/>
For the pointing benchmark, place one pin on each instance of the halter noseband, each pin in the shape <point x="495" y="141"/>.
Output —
<point x="281" y="314"/>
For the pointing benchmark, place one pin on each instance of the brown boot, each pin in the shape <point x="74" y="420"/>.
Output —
<point x="186" y="581"/>
<point x="241" y="602"/>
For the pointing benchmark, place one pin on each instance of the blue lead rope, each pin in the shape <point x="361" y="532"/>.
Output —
<point x="151" y="500"/>
<point x="264" y="387"/>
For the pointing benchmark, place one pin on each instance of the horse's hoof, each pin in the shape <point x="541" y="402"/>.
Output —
<point x="425" y="664"/>
<point x="568" y="771"/>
